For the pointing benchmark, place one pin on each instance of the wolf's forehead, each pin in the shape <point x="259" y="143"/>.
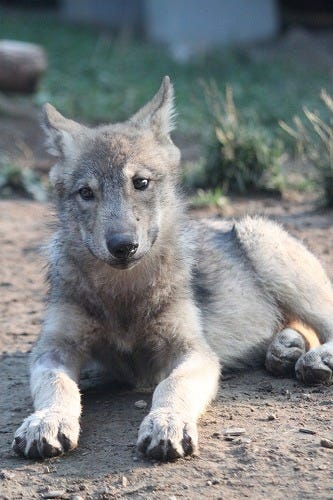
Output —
<point x="113" y="151"/>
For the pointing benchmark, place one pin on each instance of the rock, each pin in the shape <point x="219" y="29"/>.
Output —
<point x="124" y="481"/>
<point x="234" y="431"/>
<point x="306" y="431"/>
<point x="54" y="494"/>
<point x="242" y="440"/>
<point x="141" y="404"/>
<point x="326" y="443"/>
<point x="21" y="66"/>
<point x="271" y="416"/>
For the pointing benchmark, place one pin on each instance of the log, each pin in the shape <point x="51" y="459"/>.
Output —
<point x="22" y="65"/>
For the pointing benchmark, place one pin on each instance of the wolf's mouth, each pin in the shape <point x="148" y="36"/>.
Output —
<point x="124" y="264"/>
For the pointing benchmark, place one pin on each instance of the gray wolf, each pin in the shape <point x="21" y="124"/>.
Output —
<point x="155" y="297"/>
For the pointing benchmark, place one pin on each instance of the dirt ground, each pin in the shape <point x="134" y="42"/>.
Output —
<point x="272" y="459"/>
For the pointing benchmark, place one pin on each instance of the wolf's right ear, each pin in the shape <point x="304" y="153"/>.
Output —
<point x="159" y="113"/>
<point x="60" y="131"/>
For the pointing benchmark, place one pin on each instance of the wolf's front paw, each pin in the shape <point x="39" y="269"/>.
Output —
<point x="166" y="436"/>
<point x="316" y="366"/>
<point x="285" y="349"/>
<point x="46" y="433"/>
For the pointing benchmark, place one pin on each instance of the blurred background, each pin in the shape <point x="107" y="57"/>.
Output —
<point x="242" y="70"/>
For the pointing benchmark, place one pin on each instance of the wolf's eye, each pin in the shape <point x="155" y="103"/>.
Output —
<point x="140" y="183"/>
<point x="86" y="193"/>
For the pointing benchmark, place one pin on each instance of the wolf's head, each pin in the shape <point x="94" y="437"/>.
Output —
<point x="114" y="183"/>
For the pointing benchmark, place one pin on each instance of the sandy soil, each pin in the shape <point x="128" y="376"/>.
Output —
<point x="272" y="459"/>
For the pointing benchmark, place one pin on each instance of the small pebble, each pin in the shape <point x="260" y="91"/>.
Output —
<point x="242" y="440"/>
<point x="306" y="431"/>
<point x="209" y="483"/>
<point x="124" y="481"/>
<point x="141" y="404"/>
<point x="77" y="497"/>
<point x="271" y="416"/>
<point x="234" y="431"/>
<point x="6" y="474"/>
<point x="54" y="494"/>
<point x="326" y="443"/>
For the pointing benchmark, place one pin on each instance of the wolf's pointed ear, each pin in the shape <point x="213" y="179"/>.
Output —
<point x="159" y="113"/>
<point x="60" y="131"/>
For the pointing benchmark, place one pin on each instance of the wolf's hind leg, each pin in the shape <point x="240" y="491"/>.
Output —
<point x="283" y="352"/>
<point x="294" y="277"/>
<point x="316" y="366"/>
<point x="288" y="346"/>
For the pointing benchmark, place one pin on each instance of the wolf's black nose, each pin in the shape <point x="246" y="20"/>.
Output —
<point x="121" y="245"/>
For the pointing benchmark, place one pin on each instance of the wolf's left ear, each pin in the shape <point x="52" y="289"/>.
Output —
<point x="159" y="113"/>
<point x="61" y="133"/>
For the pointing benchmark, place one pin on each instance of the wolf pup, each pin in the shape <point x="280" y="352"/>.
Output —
<point x="157" y="298"/>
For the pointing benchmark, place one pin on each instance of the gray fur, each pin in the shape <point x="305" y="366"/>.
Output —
<point x="194" y="294"/>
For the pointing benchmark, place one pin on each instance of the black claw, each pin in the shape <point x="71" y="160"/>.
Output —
<point x="163" y="453"/>
<point x="65" y="442"/>
<point x="33" y="451"/>
<point x="316" y="376"/>
<point x="48" y="451"/>
<point x="19" y="445"/>
<point x="156" y="453"/>
<point x="171" y="454"/>
<point x="187" y="445"/>
<point x="142" y="447"/>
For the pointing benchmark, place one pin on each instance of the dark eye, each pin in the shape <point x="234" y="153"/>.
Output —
<point x="140" y="183"/>
<point x="86" y="193"/>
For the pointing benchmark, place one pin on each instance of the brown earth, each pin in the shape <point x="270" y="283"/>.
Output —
<point x="272" y="459"/>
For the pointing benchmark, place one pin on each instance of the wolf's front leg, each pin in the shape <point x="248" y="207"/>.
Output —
<point x="54" y="426"/>
<point x="170" y="429"/>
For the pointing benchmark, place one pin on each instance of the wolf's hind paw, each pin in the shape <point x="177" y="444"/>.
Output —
<point x="165" y="436"/>
<point x="46" y="433"/>
<point x="316" y="366"/>
<point x="284" y="351"/>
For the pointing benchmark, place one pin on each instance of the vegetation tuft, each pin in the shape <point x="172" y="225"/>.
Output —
<point x="16" y="181"/>
<point x="314" y="142"/>
<point x="241" y="157"/>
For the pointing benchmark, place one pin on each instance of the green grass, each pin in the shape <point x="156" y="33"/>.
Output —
<point x="96" y="77"/>
<point x="209" y="198"/>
